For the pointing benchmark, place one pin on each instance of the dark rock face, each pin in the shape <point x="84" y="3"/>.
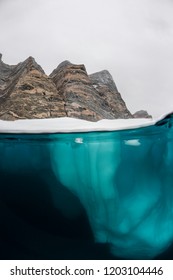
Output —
<point x="104" y="84"/>
<point x="27" y="92"/>
<point x="142" y="114"/>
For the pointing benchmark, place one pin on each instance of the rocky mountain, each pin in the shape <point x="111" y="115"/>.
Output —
<point x="142" y="114"/>
<point x="27" y="92"/>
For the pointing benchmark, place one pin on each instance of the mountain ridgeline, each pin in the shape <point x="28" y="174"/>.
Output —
<point x="26" y="92"/>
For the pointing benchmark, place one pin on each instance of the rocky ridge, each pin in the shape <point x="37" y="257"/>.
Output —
<point x="26" y="92"/>
<point x="141" y="114"/>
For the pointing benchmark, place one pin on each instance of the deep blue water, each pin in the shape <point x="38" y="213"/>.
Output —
<point x="99" y="195"/>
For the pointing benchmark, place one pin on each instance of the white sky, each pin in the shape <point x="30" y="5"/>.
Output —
<point x="132" y="39"/>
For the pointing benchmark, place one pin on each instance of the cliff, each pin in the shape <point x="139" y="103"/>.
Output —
<point x="27" y="92"/>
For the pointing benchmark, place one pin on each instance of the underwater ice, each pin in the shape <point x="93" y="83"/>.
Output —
<point x="124" y="180"/>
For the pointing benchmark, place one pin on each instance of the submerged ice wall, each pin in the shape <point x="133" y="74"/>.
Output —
<point x="123" y="179"/>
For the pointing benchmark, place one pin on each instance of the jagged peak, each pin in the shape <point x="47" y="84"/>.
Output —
<point x="28" y="63"/>
<point x="72" y="92"/>
<point x="31" y="63"/>
<point x="63" y="64"/>
<point x="103" y="77"/>
<point x="66" y="64"/>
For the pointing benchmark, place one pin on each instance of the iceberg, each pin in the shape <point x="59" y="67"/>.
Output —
<point x="120" y="171"/>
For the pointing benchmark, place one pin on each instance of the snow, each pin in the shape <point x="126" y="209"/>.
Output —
<point x="69" y="125"/>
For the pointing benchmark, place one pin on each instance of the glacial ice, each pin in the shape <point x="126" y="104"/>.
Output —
<point x="123" y="179"/>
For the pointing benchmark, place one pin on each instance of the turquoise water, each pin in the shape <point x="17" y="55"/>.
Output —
<point x="120" y="182"/>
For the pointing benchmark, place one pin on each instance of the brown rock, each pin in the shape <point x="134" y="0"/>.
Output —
<point x="85" y="96"/>
<point x="27" y="92"/>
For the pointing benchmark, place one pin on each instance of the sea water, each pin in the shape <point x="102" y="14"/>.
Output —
<point x="115" y="187"/>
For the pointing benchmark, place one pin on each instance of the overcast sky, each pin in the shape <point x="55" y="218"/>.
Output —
<point x="132" y="39"/>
